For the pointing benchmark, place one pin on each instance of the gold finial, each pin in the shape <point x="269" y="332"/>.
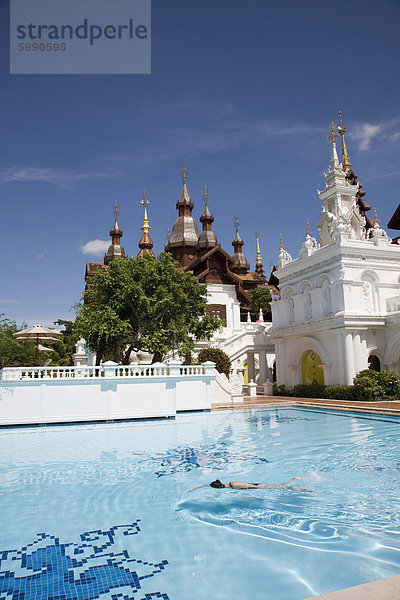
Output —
<point x="346" y="164"/>
<point x="236" y="223"/>
<point x="281" y="245"/>
<point x="332" y="137"/>
<point x="258" y="256"/>
<point x="184" y="172"/>
<point x="376" y="218"/>
<point x="116" y="211"/>
<point x="146" y="227"/>
<point x="206" y="196"/>
<point x="308" y="228"/>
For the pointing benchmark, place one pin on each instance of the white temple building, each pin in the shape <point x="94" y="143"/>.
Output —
<point x="339" y="306"/>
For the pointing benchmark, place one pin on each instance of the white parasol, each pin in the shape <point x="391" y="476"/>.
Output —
<point x="36" y="333"/>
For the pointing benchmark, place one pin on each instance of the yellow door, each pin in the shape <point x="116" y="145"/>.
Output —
<point x="311" y="370"/>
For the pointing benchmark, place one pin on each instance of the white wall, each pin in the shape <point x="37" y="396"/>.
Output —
<point x="98" y="399"/>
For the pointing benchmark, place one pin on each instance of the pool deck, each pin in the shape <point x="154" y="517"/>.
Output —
<point x="384" y="589"/>
<point x="380" y="407"/>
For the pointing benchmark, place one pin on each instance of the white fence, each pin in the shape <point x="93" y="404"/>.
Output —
<point x="111" y="392"/>
<point x="108" y="369"/>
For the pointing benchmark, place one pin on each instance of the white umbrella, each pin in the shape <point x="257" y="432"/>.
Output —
<point x="36" y="333"/>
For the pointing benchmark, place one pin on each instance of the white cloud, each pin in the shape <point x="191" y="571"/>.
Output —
<point x="95" y="247"/>
<point x="364" y="134"/>
<point x="63" y="179"/>
<point x="40" y="255"/>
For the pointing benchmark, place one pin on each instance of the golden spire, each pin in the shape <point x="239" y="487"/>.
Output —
<point x="308" y="228"/>
<point x="346" y="164"/>
<point x="258" y="256"/>
<point x="281" y="245"/>
<point x="146" y="227"/>
<point x="332" y="137"/>
<point x="236" y="223"/>
<point x="376" y="218"/>
<point x="184" y="172"/>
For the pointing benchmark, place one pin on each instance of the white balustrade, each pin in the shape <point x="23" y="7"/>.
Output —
<point x="109" y="369"/>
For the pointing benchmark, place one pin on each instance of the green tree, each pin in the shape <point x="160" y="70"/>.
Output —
<point x="65" y="346"/>
<point x="12" y="352"/>
<point x="144" y="303"/>
<point x="261" y="298"/>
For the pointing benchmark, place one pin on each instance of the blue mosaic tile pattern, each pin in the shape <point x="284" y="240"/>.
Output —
<point x="180" y="460"/>
<point x="47" y="569"/>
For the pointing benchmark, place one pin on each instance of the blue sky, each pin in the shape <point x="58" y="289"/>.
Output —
<point x="244" y="92"/>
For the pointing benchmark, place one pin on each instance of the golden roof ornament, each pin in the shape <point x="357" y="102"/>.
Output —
<point x="346" y="164"/>
<point x="145" y="227"/>
<point x="184" y="172"/>
<point x="281" y="245"/>
<point x="376" y="218"/>
<point x="258" y="255"/>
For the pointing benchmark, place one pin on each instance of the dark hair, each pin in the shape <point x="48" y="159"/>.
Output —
<point x="216" y="484"/>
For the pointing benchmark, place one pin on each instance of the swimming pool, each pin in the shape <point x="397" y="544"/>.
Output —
<point x="102" y="510"/>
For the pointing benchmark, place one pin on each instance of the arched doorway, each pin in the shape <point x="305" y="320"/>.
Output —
<point x="374" y="364"/>
<point x="245" y="374"/>
<point x="311" y="370"/>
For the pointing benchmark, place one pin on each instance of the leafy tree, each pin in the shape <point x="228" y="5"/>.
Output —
<point x="144" y="303"/>
<point x="261" y="298"/>
<point x="65" y="346"/>
<point x="222" y="361"/>
<point x="12" y="352"/>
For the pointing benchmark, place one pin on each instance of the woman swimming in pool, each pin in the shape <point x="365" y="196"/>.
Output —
<point x="241" y="485"/>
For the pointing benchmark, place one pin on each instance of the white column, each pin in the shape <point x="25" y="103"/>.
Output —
<point x="251" y="366"/>
<point x="349" y="358"/>
<point x="360" y="353"/>
<point x="262" y="373"/>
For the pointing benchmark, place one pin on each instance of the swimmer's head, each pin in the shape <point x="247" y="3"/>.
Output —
<point x="216" y="484"/>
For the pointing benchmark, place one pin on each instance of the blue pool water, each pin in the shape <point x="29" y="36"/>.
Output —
<point x="102" y="510"/>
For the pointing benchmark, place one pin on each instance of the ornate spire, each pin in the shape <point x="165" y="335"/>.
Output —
<point x="115" y="250"/>
<point x="145" y="227"/>
<point x="376" y="218"/>
<point x="185" y="234"/>
<point x="258" y="253"/>
<point x="284" y="257"/>
<point x="146" y="243"/>
<point x="184" y="172"/>
<point x="240" y="264"/>
<point x="207" y="238"/>
<point x="346" y="164"/>
<point x="332" y="137"/>
<point x="310" y="243"/>
<point x="259" y="265"/>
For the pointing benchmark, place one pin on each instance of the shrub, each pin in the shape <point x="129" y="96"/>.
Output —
<point x="340" y="392"/>
<point x="390" y="384"/>
<point x="221" y="359"/>
<point x="367" y="385"/>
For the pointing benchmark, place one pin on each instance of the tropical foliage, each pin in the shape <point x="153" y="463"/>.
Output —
<point x="143" y="303"/>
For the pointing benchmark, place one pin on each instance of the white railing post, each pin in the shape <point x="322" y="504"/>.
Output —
<point x="174" y="366"/>
<point x="209" y="367"/>
<point x="109" y="368"/>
